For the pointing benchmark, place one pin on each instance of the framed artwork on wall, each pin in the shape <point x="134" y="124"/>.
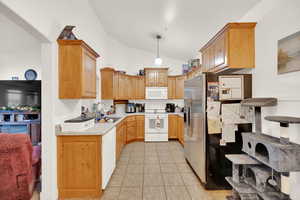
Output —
<point x="289" y="54"/>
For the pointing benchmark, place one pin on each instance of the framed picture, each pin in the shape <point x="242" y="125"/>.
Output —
<point x="289" y="54"/>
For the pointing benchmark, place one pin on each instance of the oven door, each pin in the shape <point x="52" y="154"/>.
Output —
<point x="156" y="124"/>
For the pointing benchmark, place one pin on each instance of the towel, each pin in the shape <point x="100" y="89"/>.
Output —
<point x="15" y="167"/>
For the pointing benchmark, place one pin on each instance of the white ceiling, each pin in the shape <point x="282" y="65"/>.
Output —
<point x="186" y="25"/>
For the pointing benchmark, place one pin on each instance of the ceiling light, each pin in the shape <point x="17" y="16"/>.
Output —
<point x="158" y="60"/>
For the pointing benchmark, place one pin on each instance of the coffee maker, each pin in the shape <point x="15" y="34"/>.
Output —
<point x="130" y="108"/>
<point x="170" y="107"/>
<point x="140" y="107"/>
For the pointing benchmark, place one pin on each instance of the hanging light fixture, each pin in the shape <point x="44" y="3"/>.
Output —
<point x="158" y="60"/>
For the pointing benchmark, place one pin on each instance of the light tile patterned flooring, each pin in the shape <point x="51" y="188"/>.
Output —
<point x="156" y="171"/>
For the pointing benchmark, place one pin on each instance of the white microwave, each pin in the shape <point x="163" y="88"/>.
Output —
<point x="156" y="93"/>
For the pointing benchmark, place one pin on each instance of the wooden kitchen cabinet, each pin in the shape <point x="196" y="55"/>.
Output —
<point x="179" y="91"/>
<point x="132" y="85"/>
<point x="233" y="47"/>
<point x="140" y="129"/>
<point x="123" y="90"/>
<point x="119" y="140"/>
<point x="156" y="77"/>
<point x="77" y="70"/>
<point x="79" y="166"/>
<point x="172" y="127"/>
<point x="171" y="87"/>
<point x="180" y="129"/>
<point x="131" y="129"/>
<point x="107" y="83"/>
<point x="140" y="87"/>
<point x="176" y="87"/>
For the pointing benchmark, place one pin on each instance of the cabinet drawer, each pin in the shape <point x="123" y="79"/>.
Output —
<point x="131" y="118"/>
<point x="131" y="123"/>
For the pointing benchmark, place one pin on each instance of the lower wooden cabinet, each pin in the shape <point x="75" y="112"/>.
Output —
<point x="131" y="133"/>
<point x="176" y="128"/>
<point x="79" y="166"/>
<point x="119" y="140"/>
<point x="172" y="127"/>
<point x="180" y="129"/>
<point x="140" y="127"/>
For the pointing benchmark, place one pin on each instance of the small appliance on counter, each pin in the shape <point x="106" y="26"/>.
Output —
<point x="130" y="108"/>
<point x="140" y="107"/>
<point x="170" y="107"/>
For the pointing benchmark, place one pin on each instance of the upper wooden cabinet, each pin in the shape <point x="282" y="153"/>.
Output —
<point x="156" y="77"/>
<point x="179" y="87"/>
<point x="176" y="87"/>
<point x="119" y="86"/>
<point x="231" y="48"/>
<point x="77" y="70"/>
<point x="171" y="87"/>
<point x="107" y="83"/>
<point x="140" y="87"/>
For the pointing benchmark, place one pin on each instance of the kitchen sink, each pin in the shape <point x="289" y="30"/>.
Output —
<point x="114" y="119"/>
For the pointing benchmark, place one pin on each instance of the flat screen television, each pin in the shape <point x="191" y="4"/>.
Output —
<point x="20" y="93"/>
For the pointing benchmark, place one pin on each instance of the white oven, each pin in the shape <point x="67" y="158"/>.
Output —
<point x="156" y="127"/>
<point x="156" y="93"/>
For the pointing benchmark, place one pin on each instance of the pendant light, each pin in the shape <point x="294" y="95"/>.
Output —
<point x="158" y="60"/>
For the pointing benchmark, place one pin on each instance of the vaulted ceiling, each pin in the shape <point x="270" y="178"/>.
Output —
<point x="185" y="25"/>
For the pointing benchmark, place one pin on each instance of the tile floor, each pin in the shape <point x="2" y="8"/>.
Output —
<point x="156" y="171"/>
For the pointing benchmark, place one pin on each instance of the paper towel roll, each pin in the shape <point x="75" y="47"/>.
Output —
<point x="285" y="184"/>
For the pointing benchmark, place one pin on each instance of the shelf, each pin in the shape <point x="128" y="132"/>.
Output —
<point x="241" y="159"/>
<point x="241" y="188"/>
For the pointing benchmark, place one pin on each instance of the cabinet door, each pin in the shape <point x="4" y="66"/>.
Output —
<point x="220" y="51"/>
<point x="119" y="141"/>
<point x="211" y="64"/>
<point x="172" y="126"/>
<point x="179" y="87"/>
<point x="140" y="126"/>
<point x="140" y="87"/>
<point x="131" y="133"/>
<point x="132" y="87"/>
<point x="79" y="166"/>
<point x="116" y="85"/>
<point x="162" y="78"/>
<point x="205" y="60"/>
<point x="107" y="83"/>
<point x="88" y="75"/>
<point x="151" y="77"/>
<point x="180" y="124"/>
<point x="123" y="87"/>
<point x="171" y="87"/>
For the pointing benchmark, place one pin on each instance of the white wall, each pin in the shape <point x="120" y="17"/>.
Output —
<point x="19" y="51"/>
<point x="276" y="19"/>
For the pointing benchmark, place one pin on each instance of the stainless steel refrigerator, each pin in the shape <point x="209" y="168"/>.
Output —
<point x="203" y="151"/>
<point x="195" y="125"/>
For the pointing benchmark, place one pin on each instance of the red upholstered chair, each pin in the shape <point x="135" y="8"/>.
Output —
<point x="19" y="166"/>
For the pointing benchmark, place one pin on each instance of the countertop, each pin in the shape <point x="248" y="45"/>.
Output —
<point x="103" y="128"/>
